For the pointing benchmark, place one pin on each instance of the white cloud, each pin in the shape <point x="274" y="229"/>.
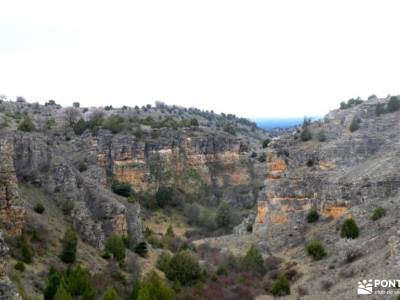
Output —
<point x="252" y="58"/>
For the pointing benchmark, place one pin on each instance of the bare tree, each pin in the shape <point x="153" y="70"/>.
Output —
<point x="96" y="115"/>
<point x="71" y="115"/>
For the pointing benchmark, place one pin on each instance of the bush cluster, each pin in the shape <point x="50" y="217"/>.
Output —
<point x="27" y="125"/>
<point x="182" y="267"/>
<point x="69" y="246"/>
<point x="378" y="213"/>
<point x="316" y="250"/>
<point x="76" y="283"/>
<point x="349" y="229"/>
<point x="115" y="245"/>
<point x="39" y="208"/>
<point x="355" y="124"/>
<point x="281" y="286"/>
<point x="253" y="261"/>
<point x="312" y="216"/>
<point x="392" y="106"/>
<point x="122" y="188"/>
<point x="350" y="103"/>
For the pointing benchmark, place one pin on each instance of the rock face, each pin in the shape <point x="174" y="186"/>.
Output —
<point x="11" y="209"/>
<point x="7" y="288"/>
<point x="206" y="163"/>
<point x="193" y="163"/>
<point x="344" y="170"/>
<point x="96" y="212"/>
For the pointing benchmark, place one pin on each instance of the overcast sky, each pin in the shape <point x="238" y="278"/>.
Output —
<point x="252" y="58"/>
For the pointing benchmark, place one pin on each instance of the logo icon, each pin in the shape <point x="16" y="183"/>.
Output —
<point x="364" y="287"/>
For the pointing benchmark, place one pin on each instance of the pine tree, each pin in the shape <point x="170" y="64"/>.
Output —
<point x="69" y="243"/>
<point x="224" y="215"/>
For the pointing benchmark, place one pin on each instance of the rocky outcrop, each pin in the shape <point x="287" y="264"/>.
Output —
<point x="95" y="211"/>
<point x="345" y="170"/>
<point x="180" y="159"/>
<point x="11" y="210"/>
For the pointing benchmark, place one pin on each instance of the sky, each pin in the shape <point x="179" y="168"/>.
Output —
<point x="285" y="58"/>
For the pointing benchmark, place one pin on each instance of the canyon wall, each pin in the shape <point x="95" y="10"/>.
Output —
<point x="342" y="171"/>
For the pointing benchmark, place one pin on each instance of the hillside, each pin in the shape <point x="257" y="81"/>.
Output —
<point x="343" y="167"/>
<point x="118" y="172"/>
<point x="211" y="203"/>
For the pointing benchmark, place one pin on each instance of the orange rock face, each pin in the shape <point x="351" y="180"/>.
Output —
<point x="275" y="167"/>
<point x="279" y="219"/>
<point x="334" y="211"/>
<point x="101" y="159"/>
<point x="132" y="175"/>
<point x="262" y="211"/>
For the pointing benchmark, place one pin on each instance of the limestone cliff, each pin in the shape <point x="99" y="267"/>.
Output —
<point x="11" y="209"/>
<point x="341" y="170"/>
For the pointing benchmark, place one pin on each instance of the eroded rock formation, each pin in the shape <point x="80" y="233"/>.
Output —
<point x="342" y="171"/>
<point x="11" y="209"/>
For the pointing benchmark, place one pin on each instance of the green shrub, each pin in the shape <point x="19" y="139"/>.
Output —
<point x="393" y="104"/>
<point x="194" y="122"/>
<point x="316" y="250"/>
<point x="306" y="134"/>
<point x="116" y="246"/>
<point x="141" y="249"/>
<point x="164" y="196"/>
<point x="69" y="245"/>
<point x="114" y="123"/>
<point x="62" y="293"/>
<point x="343" y="105"/>
<point x="53" y="283"/>
<point x="380" y="109"/>
<point x="221" y="271"/>
<point x="262" y="157"/>
<point x="163" y="261"/>
<point x="378" y="213"/>
<point x="184" y="267"/>
<point x="82" y="166"/>
<point x="153" y="288"/>
<point x="78" y="283"/>
<point x="26" y="251"/>
<point x="27" y="125"/>
<point x="281" y="286"/>
<point x="80" y="126"/>
<point x="350" y="103"/>
<point x="253" y="261"/>
<point x="122" y="188"/>
<point x="249" y="228"/>
<point x="67" y="207"/>
<point x="20" y="266"/>
<point x="355" y="125"/>
<point x="39" y="208"/>
<point x="229" y="128"/>
<point x="224" y="215"/>
<point x="110" y="294"/>
<point x="266" y="143"/>
<point x="349" y="229"/>
<point x="312" y="216"/>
